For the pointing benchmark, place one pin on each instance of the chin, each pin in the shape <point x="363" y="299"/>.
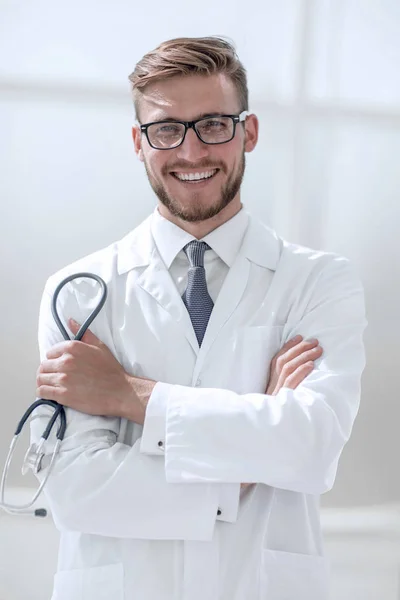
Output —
<point x="200" y="213"/>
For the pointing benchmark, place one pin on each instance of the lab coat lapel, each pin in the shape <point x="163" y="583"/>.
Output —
<point x="157" y="281"/>
<point x="227" y="301"/>
<point x="260" y="246"/>
<point x="137" y="249"/>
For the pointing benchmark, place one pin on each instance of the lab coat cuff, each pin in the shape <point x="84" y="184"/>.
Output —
<point x="228" y="506"/>
<point x="175" y="454"/>
<point x="154" y="428"/>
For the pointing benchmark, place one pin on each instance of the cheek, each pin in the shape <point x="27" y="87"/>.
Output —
<point x="232" y="156"/>
<point x="153" y="168"/>
<point x="158" y="164"/>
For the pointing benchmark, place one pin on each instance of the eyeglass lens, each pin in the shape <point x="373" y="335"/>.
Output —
<point x="211" y="131"/>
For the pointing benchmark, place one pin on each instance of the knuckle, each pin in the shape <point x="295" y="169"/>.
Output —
<point x="305" y="366"/>
<point x="61" y="392"/>
<point x="71" y="346"/>
<point x="286" y="370"/>
<point x="67" y="360"/>
<point x="305" y="356"/>
<point x="63" y="378"/>
<point x="314" y="352"/>
<point x="311" y="343"/>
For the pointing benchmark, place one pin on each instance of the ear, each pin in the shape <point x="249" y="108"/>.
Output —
<point x="137" y="141"/>
<point x="251" y="133"/>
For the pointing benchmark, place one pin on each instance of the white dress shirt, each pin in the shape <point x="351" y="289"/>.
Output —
<point x="225" y="242"/>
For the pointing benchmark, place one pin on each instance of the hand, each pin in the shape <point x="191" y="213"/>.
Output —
<point x="290" y="366"/>
<point x="84" y="375"/>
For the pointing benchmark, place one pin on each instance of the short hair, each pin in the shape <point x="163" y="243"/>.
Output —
<point x="190" y="56"/>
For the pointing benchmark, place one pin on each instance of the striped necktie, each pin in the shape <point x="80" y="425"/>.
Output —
<point x="196" y="297"/>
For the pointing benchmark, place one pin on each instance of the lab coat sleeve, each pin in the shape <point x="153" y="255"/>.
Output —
<point x="102" y="486"/>
<point x="153" y="443"/>
<point x="292" y="440"/>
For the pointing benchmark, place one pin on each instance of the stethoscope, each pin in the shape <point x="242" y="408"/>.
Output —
<point x="36" y="452"/>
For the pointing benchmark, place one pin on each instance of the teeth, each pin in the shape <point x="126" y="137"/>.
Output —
<point x="195" y="176"/>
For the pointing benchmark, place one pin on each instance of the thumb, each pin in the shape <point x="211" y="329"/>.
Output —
<point x="88" y="338"/>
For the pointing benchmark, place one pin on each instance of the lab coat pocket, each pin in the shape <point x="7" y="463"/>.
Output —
<point x="95" y="583"/>
<point x="290" y="576"/>
<point x="253" y="349"/>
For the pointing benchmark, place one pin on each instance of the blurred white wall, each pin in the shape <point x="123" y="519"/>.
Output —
<point x="324" y="81"/>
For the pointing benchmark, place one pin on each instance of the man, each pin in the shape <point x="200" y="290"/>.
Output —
<point x="204" y="419"/>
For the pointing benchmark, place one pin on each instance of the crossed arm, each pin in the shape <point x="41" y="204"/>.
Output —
<point x="85" y="376"/>
<point x="291" y="437"/>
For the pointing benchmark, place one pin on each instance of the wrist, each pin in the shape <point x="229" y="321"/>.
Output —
<point x="135" y="402"/>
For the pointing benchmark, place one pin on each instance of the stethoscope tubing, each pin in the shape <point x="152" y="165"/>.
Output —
<point x="59" y="410"/>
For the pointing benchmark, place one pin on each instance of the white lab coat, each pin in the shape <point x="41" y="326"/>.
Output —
<point x="154" y="512"/>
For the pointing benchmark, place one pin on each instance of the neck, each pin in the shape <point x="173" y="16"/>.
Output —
<point x="200" y="229"/>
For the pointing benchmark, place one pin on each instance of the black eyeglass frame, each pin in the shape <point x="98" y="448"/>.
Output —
<point x="191" y="125"/>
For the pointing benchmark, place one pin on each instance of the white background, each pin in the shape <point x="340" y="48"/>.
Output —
<point x="324" y="81"/>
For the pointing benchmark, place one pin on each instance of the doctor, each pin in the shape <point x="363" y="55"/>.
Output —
<point x="193" y="380"/>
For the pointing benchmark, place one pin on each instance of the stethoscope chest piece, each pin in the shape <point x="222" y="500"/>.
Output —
<point x="32" y="460"/>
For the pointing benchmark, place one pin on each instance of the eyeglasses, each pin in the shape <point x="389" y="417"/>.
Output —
<point x="215" y="129"/>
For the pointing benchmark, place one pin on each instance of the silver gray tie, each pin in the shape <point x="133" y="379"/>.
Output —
<point x="196" y="297"/>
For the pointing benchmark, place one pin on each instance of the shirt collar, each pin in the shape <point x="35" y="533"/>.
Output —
<point x="225" y="240"/>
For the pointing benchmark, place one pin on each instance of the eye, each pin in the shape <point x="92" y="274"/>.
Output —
<point x="215" y="124"/>
<point x="168" y="128"/>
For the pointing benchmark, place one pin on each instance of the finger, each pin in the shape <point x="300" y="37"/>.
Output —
<point x="293" y="380"/>
<point x="306" y="356"/>
<point x="50" y="366"/>
<point x="289" y="369"/>
<point x="48" y="392"/>
<point x="295" y="346"/>
<point x="289" y="375"/>
<point x="53" y="379"/>
<point x="59" y="349"/>
<point x="88" y="338"/>
<point x="290" y="366"/>
<point x="298" y="349"/>
<point x="287" y="362"/>
<point x="288" y="346"/>
<point x="293" y="342"/>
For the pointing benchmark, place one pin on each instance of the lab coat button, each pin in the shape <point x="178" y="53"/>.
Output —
<point x="219" y="512"/>
<point x="161" y="444"/>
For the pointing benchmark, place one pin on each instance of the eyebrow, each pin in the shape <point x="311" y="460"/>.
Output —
<point x="164" y="117"/>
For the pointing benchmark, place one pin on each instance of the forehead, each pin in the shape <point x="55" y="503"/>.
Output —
<point x="188" y="98"/>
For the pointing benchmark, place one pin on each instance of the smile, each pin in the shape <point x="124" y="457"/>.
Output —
<point x="200" y="176"/>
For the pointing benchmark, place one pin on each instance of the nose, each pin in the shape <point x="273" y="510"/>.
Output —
<point x="192" y="148"/>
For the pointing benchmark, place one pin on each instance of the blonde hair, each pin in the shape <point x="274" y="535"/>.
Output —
<point x="190" y="56"/>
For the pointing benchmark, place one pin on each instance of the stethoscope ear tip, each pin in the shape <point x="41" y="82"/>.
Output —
<point x="40" y="512"/>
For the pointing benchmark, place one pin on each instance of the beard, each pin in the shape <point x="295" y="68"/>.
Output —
<point x="195" y="212"/>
